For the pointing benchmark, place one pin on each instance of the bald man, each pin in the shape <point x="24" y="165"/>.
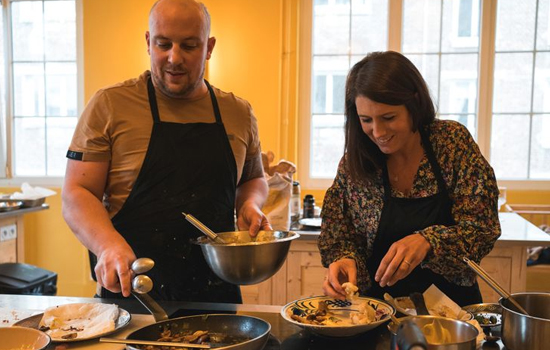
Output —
<point x="147" y="149"/>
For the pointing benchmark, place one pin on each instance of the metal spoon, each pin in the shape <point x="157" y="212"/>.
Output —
<point x="142" y="265"/>
<point x="142" y="284"/>
<point x="208" y="232"/>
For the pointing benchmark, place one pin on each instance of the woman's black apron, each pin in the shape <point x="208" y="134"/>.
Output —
<point x="188" y="168"/>
<point x="401" y="217"/>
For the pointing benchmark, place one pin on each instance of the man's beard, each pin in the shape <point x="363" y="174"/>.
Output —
<point x="185" y="90"/>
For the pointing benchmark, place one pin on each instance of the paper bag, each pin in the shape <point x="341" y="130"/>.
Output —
<point x="279" y="180"/>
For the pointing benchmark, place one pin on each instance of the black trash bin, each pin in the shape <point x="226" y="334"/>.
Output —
<point x="19" y="278"/>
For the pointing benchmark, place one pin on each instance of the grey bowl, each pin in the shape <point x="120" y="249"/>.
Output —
<point x="244" y="260"/>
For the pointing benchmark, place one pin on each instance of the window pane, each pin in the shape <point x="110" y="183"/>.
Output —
<point x="461" y="21"/>
<point x="367" y="19"/>
<point x="515" y="25"/>
<point x="59" y="134"/>
<point x="331" y="28"/>
<point x="3" y="85"/>
<point x="329" y="74"/>
<point x="421" y="30"/>
<point x="27" y="31"/>
<point x="540" y="147"/>
<point x="458" y="92"/>
<point x="29" y="146"/>
<point x="541" y="98"/>
<point x="28" y="85"/>
<point x="60" y="42"/>
<point x="543" y="30"/>
<point x="61" y="89"/>
<point x="468" y="120"/>
<point x="428" y="65"/>
<point x="327" y="145"/>
<point x="510" y="153"/>
<point x="512" y="82"/>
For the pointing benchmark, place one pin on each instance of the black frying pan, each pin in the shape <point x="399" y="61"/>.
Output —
<point x="235" y="332"/>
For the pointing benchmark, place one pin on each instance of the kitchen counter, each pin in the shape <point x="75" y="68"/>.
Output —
<point x="516" y="231"/>
<point x="284" y="335"/>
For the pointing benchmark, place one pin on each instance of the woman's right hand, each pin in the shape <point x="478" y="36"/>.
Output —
<point x="340" y="271"/>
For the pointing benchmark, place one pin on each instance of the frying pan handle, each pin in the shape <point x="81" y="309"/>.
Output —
<point x="152" y="306"/>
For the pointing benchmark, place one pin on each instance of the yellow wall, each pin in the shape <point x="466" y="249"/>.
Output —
<point x="255" y="57"/>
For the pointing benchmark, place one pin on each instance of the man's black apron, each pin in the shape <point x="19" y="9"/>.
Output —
<point x="188" y="168"/>
<point x="401" y="217"/>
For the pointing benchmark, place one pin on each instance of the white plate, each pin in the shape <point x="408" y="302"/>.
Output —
<point x="340" y="309"/>
<point x="311" y="222"/>
<point x="122" y="321"/>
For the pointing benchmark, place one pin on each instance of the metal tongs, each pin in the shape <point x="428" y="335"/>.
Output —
<point x="493" y="284"/>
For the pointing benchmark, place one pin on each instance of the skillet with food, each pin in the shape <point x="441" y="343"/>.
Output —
<point x="220" y="331"/>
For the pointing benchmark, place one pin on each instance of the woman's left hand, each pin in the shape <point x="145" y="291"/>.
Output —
<point x="402" y="257"/>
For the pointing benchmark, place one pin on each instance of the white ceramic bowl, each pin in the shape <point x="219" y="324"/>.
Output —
<point x="21" y="338"/>
<point x="339" y="309"/>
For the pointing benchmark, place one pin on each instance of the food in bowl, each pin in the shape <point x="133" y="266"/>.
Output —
<point x="486" y="314"/>
<point x="247" y="260"/>
<point x="344" y="318"/>
<point x="442" y="333"/>
<point x="365" y="314"/>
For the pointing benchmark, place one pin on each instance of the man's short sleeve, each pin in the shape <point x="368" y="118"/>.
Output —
<point x="91" y="139"/>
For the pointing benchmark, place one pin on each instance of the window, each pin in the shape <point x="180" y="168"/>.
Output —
<point x="487" y="64"/>
<point x="40" y="80"/>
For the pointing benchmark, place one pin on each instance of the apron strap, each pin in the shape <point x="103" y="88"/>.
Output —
<point x="153" y="100"/>
<point x="425" y="135"/>
<point x="214" y="103"/>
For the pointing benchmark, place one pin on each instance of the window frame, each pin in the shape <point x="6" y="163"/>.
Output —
<point x="485" y="87"/>
<point x="6" y="126"/>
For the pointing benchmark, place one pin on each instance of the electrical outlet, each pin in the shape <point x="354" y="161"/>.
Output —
<point x="8" y="232"/>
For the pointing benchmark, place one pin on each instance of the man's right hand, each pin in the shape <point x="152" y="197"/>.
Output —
<point x="113" y="270"/>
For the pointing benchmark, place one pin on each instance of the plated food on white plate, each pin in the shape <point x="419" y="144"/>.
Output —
<point x="333" y="317"/>
<point x="487" y="314"/>
<point x="78" y="321"/>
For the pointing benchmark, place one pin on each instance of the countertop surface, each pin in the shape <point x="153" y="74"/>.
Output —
<point x="21" y="211"/>
<point x="284" y="335"/>
<point x="516" y="231"/>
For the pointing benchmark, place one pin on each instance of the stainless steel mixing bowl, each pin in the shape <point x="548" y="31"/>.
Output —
<point x="441" y="333"/>
<point x="246" y="260"/>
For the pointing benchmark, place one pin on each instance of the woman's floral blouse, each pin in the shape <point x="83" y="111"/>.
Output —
<point x="351" y="211"/>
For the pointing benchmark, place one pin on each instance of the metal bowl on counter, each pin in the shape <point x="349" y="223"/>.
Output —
<point x="441" y="333"/>
<point x="23" y="338"/>
<point x="520" y="331"/>
<point x="243" y="259"/>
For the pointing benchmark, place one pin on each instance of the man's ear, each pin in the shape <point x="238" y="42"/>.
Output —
<point x="210" y="47"/>
<point x="147" y="38"/>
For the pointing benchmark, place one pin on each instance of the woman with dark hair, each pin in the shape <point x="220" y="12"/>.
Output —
<point x="413" y="194"/>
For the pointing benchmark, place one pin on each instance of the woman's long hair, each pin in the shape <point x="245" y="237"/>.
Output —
<point x="389" y="78"/>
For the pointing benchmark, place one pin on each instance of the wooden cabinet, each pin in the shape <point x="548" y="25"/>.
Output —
<point x="12" y="233"/>
<point x="302" y="275"/>
<point x="11" y="239"/>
